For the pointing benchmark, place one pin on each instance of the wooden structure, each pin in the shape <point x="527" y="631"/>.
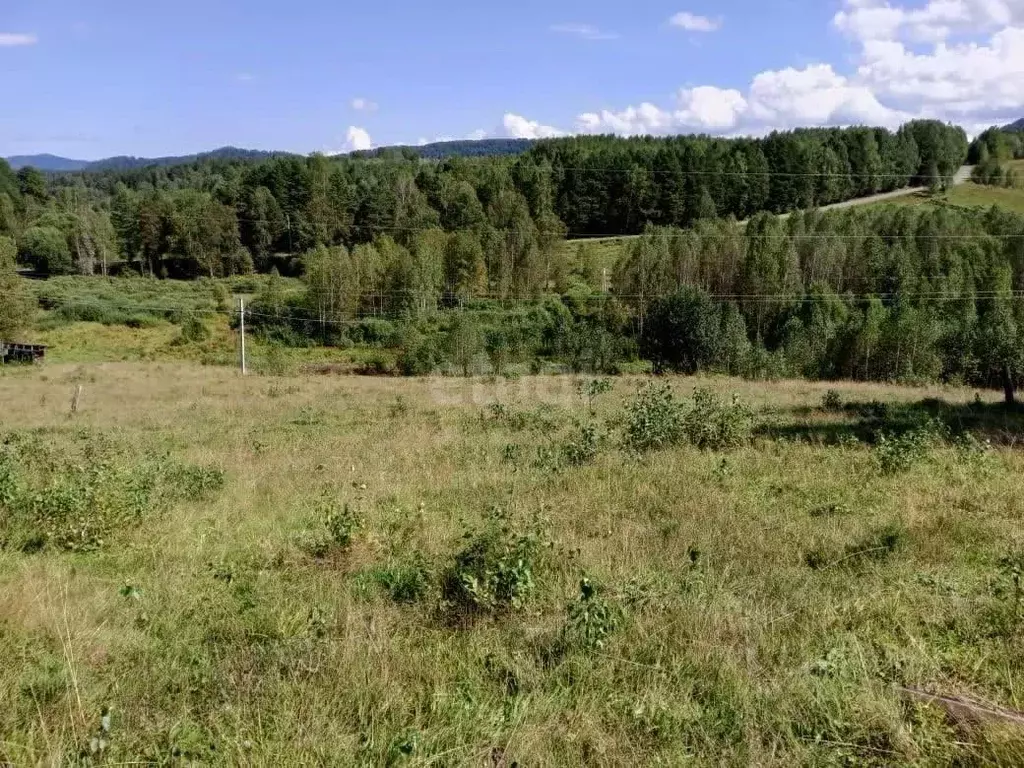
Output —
<point x="14" y="352"/>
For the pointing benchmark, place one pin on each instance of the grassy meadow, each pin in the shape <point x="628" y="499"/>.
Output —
<point x="200" y="568"/>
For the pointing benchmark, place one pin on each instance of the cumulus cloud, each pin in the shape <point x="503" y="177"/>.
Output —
<point x="955" y="81"/>
<point x="788" y="98"/>
<point x="692" y="22"/>
<point x="13" y="39"/>
<point x="357" y="139"/>
<point x="518" y="127"/>
<point x="711" y="108"/>
<point x="585" y="31"/>
<point x="360" y="104"/>
<point x="815" y="95"/>
<point x="957" y="60"/>
<point x="477" y="135"/>
<point x="937" y="20"/>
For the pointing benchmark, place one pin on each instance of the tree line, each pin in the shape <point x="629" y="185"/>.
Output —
<point x="990" y="154"/>
<point x="884" y="293"/>
<point x="224" y="215"/>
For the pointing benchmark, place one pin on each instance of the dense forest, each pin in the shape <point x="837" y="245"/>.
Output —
<point x="990" y="153"/>
<point x="387" y="244"/>
<point x="223" y="216"/>
<point x="884" y="293"/>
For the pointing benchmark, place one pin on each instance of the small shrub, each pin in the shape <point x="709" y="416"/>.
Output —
<point x="898" y="453"/>
<point x="975" y="454"/>
<point x="341" y="524"/>
<point x="221" y="297"/>
<point x="193" y="330"/>
<point x="713" y="425"/>
<point x="590" y="619"/>
<point x="831" y="401"/>
<point x="1008" y="589"/>
<point x="583" y="447"/>
<point x="420" y="357"/>
<point x="592" y="389"/>
<point x="405" y="582"/>
<point x="653" y="419"/>
<point x="494" y="572"/>
<point x="275" y="360"/>
<point x="77" y="496"/>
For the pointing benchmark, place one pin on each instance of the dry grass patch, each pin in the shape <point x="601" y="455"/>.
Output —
<point x="247" y="628"/>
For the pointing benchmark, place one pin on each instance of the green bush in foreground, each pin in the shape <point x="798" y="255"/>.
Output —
<point x="76" y="497"/>
<point x="495" y="570"/>
<point x="656" y="419"/>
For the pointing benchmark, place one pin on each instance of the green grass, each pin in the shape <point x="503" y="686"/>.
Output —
<point x="747" y="606"/>
<point x="968" y="194"/>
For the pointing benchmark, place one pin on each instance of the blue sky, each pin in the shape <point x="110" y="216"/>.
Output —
<point x="90" y="80"/>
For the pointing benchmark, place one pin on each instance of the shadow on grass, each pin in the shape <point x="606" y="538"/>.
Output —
<point x="864" y="422"/>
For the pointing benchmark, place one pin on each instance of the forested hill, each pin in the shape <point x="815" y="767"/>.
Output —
<point x="55" y="164"/>
<point x="433" y="151"/>
<point x="439" y="150"/>
<point x="49" y="163"/>
<point x="1017" y="125"/>
<point x="221" y="215"/>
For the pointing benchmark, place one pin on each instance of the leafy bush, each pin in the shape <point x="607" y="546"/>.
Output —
<point x="583" y="447"/>
<point x="340" y="524"/>
<point x="592" y="389"/>
<point x="495" y="570"/>
<point x="405" y="582"/>
<point x="77" y="495"/>
<point x="193" y="330"/>
<point x="653" y="419"/>
<point x="831" y="401"/>
<point x="591" y="619"/>
<point x="712" y="424"/>
<point x="897" y="453"/>
<point x="682" y="332"/>
<point x="420" y="356"/>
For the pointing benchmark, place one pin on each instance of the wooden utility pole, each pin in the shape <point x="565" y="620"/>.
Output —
<point x="241" y="326"/>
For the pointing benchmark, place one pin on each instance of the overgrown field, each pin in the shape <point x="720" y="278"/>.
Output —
<point x="970" y="195"/>
<point x="198" y="568"/>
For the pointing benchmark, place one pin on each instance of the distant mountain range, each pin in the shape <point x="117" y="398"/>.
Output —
<point x="55" y="164"/>
<point x="1015" y="126"/>
<point x="434" y="151"/>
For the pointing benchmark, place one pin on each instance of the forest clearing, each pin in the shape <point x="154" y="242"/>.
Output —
<point x="451" y="518"/>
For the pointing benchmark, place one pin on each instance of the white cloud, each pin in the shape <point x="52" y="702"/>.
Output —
<point x="691" y="22"/>
<point x="786" y="98"/>
<point x="477" y="135"/>
<point x="244" y="77"/>
<point x="955" y="60"/>
<point x="13" y="39"/>
<point x="586" y="31"/>
<point x="357" y="139"/>
<point x="815" y="95"/>
<point x="711" y="108"/>
<point x="360" y="104"/>
<point x="518" y="127"/>
<point x="954" y="81"/>
<point x="937" y="20"/>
